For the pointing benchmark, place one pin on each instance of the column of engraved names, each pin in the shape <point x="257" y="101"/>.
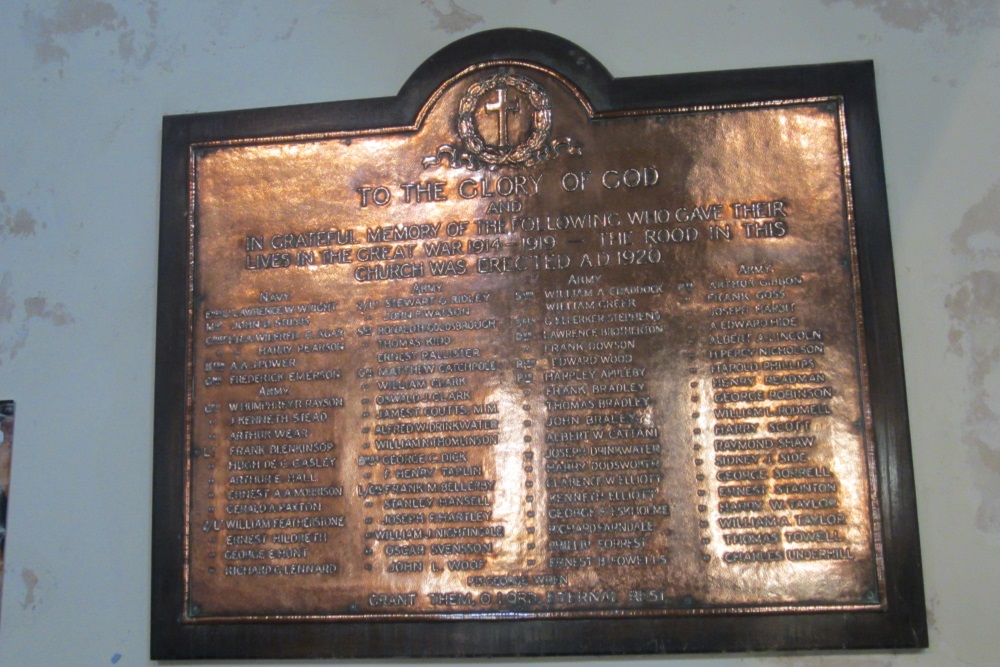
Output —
<point x="432" y="435"/>
<point x="777" y="491"/>
<point x="605" y="504"/>
<point x="268" y="388"/>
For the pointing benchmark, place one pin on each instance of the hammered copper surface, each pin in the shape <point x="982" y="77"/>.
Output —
<point x="560" y="365"/>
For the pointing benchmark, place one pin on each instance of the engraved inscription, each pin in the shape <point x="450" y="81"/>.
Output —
<point x="512" y="378"/>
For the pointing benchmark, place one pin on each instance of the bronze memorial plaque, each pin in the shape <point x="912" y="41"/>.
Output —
<point x="528" y="354"/>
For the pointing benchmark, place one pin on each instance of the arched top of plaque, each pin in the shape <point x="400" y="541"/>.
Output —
<point x="544" y="50"/>
<point x="504" y="116"/>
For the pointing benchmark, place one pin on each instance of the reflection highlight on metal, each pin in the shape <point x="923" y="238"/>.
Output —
<point x="567" y="367"/>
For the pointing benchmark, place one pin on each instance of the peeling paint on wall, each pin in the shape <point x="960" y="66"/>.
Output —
<point x="7" y="303"/>
<point x="13" y="222"/>
<point x="978" y="237"/>
<point x="129" y="32"/>
<point x="455" y="20"/>
<point x="52" y="32"/>
<point x="17" y="224"/>
<point x="14" y="330"/>
<point x="956" y="16"/>
<point x="38" y="306"/>
<point x="974" y="309"/>
<point x="30" y="580"/>
<point x="70" y="17"/>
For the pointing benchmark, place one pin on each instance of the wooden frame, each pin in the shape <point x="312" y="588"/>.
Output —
<point x="899" y="623"/>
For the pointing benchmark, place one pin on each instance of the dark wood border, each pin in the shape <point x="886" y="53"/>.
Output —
<point x="902" y="625"/>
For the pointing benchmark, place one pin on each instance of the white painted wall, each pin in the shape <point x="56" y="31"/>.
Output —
<point x="83" y="87"/>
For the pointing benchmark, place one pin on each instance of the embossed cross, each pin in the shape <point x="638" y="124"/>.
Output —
<point x="502" y="107"/>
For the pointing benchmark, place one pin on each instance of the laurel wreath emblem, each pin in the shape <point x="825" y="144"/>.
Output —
<point x="477" y="152"/>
